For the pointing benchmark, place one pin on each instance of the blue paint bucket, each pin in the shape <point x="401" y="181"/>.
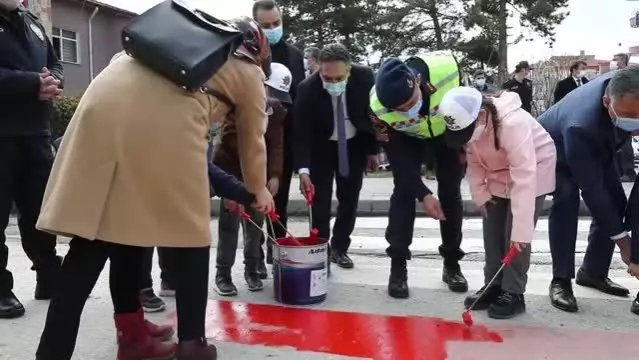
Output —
<point x="300" y="272"/>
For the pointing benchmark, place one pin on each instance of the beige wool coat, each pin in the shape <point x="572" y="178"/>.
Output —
<point x="132" y="166"/>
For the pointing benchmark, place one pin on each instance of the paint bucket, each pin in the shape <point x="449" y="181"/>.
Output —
<point x="300" y="272"/>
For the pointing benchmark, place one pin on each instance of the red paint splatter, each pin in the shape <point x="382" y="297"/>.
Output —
<point x="371" y="336"/>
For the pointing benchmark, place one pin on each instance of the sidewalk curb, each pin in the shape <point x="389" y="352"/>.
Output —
<point x="374" y="208"/>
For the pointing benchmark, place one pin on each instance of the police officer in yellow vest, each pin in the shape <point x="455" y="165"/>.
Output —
<point x="405" y="101"/>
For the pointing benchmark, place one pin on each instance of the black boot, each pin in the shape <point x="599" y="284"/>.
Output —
<point x="46" y="279"/>
<point x="224" y="283"/>
<point x="489" y="297"/>
<point x="398" y="280"/>
<point x="453" y="276"/>
<point x="634" y="308"/>
<point x="252" y="277"/>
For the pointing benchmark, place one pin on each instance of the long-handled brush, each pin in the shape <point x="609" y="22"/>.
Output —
<point x="467" y="317"/>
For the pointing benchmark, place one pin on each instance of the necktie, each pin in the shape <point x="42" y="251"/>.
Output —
<point x="342" y="147"/>
<point x="578" y="82"/>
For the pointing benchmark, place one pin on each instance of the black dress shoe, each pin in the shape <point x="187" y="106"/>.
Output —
<point x="561" y="295"/>
<point x="489" y="297"/>
<point x="634" y="308"/>
<point x="606" y="285"/>
<point x="342" y="260"/>
<point x="455" y="279"/>
<point x="398" y="280"/>
<point x="10" y="306"/>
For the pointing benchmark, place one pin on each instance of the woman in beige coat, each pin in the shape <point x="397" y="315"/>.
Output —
<point x="132" y="173"/>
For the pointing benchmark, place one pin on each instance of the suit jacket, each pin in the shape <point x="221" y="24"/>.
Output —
<point x="314" y="118"/>
<point x="565" y="86"/>
<point x="586" y="141"/>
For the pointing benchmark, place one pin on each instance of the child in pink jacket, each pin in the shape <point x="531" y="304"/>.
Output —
<point x="511" y="168"/>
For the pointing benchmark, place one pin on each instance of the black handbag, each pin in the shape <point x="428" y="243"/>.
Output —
<point x="181" y="43"/>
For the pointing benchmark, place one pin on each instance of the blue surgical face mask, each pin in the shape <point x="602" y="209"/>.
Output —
<point x="274" y="35"/>
<point x="335" y="89"/>
<point x="413" y="112"/>
<point x="625" y="123"/>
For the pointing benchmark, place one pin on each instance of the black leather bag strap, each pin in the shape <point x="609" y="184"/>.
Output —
<point x="223" y="98"/>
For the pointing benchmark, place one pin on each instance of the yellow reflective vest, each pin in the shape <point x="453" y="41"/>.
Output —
<point x="444" y="75"/>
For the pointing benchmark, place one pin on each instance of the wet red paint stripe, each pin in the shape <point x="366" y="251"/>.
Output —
<point x="340" y="333"/>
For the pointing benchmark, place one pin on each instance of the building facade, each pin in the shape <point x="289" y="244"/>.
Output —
<point x="85" y="35"/>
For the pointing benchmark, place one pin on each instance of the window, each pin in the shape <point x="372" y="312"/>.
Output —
<point x="65" y="43"/>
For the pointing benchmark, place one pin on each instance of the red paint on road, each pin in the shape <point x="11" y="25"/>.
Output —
<point x="371" y="336"/>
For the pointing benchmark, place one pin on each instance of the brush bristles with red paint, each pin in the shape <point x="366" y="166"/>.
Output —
<point x="467" y="317"/>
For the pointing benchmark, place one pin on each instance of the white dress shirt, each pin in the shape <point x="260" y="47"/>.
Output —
<point x="351" y="131"/>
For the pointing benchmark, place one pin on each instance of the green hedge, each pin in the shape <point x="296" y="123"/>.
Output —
<point x="63" y="110"/>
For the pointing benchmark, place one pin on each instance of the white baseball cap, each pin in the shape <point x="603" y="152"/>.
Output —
<point x="460" y="107"/>
<point x="280" y="82"/>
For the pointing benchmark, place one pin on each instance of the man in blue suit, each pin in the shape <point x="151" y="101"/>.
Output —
<point x="584" y="127"/>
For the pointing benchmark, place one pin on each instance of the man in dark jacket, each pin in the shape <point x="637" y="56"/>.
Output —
<point x="30" y="79"/>
<point x="521" y="84"/>
<point x="576" y="79"/>
<point x="584" y="128"/>
<point x="269" y="15"/>
<point x="335" y="142"/>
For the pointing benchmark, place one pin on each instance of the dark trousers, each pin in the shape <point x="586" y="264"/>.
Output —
<point x="562" y="231"/>
<point x="25" y="164"/>
<point x="282" y="196"/>
<point x="80" y="271"/>
<point x="228" y="233"/>
<point x="324" y="169"/>
<point x="406" y="155"/>
<point x="146" y="280"/>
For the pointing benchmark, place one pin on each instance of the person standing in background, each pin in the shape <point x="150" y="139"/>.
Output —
<point x="30" y="80"/>
<point x="619" y="62"/>
<point x="481" y="83"/>
<point x="268" y="15"/>
<point x="576" y="79"/>
<point x="311" y="60"/>
<point x="521" y="84"/>
<point x="335" y="141"/>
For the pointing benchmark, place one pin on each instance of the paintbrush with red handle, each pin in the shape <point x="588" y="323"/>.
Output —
<point x="466" y="315"/>
<point x="276" y="219"/>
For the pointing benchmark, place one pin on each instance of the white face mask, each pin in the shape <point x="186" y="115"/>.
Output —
<point x="614" y="65"/>
<point x="480" y="82"/>
<point x="10" y="4"/>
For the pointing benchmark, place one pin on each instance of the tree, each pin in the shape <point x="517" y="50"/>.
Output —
<point x="479" y="52"/>
<point x="407" y="27"/>
<point x="542" y="16"/>
<point x="320" y="22"/>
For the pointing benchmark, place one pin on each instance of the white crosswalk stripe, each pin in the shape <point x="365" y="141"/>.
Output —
<point x="472" y="241"/>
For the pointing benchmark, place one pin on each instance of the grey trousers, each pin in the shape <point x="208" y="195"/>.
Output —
<point x="228" y="232"/>
<point x="497" y="228"/>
